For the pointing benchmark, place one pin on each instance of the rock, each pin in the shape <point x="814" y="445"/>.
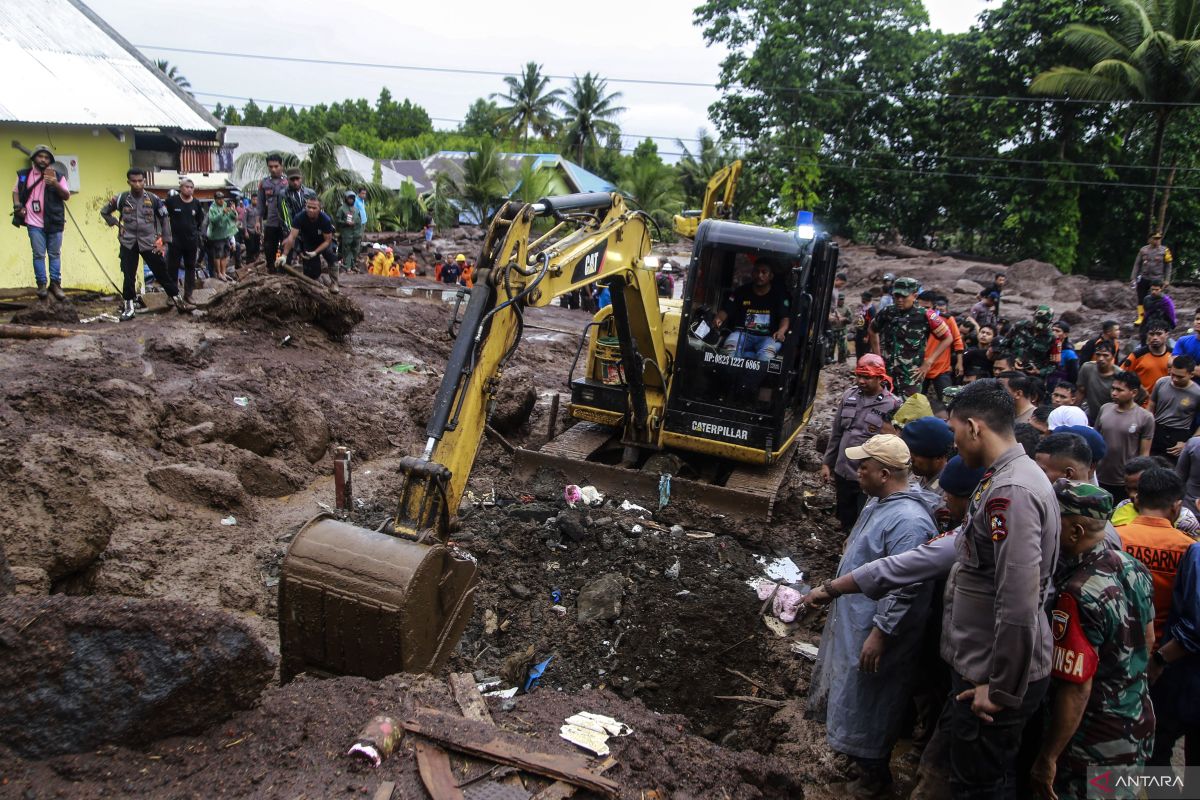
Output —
<point x="30" y="580"/>
<point x="965" y="286"/>
<point x="571" y="525"/>
<point x="1072" y="318"/>
<point x="309" y="428"/>
<point x="520" y="591"/>
<point x="514" y="402"/>
<point x="1101" y="297"/>
<point x="601" y="599"/>
<point x="672" y="572"/>
<point x="196" y="434"/>
<point x="78" y="349"/>
<point x="266" y="477"/>
<point x="249" y="431"/>
<point x="115" y="670"/>
<point x="1033" y="276"/>
<point x="200" y="485"/>
<point x="180" y="346"/>
<point x="983" y="274"/>
<point x="900" y="251"/>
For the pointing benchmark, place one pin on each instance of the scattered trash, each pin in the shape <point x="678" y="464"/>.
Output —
<point x="684" y="593"/>
<point x="400" y="369"/>
<point x="506" y="693"/>
<point x="556" y="596"/>
<point x="325" y="506"/>
<point x="672" y="572"/>
<point x="560" y="610"/>
<point x="536" y="672"/>
<point x="628" y="506"/>
<point x="591" y="495"/>
<point x="782" y="570"/>
<point x="377" y="740"/>
<point x="229" y="521"/>
<point x="100" y="318"/>
<point x="777" y="627"/>
<point x="572" y="494"/>
<point x="805" y="649"/>
<point x="491" y="623"/>
<point x="242" y="401"/>
<point x="271" y="582"/>
<point x="664" y="490"/>
<point x="285" y="341"/>
<point x="637" y="530"/>
<point x="701" y="535"/>
<point x="591" y="731"/>
<point x="677" y="530"/>
<point x="786" y="600"/>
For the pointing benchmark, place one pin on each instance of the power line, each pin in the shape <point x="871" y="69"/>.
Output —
<point x="897" y="92"/>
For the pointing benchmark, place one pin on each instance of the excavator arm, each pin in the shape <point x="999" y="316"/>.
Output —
<point x="363" y="602"/>
<point x="718" y="201"/>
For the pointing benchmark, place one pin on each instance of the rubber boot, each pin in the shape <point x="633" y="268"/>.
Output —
<point x="56" y="290"/>
<point x="1141" y="314"/>
<point x="333" y="280"/>
<point x="128" y="311"/>
<point x="181" y="305"/>
<point x="41" y="291"/>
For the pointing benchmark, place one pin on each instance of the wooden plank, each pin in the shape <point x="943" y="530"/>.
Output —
<point x="473" y="706"/>
<point x="385" y="790"/>
<point x="762" y="701"/>
<point x="561" y="791"/>
<point x="434" y="766"/>
<point x="480" y="739"/>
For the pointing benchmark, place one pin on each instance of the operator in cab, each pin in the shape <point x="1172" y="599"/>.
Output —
<point x="758" y="312"/>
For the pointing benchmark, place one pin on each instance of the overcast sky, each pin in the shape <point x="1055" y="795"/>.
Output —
<point x="469" y="34"/>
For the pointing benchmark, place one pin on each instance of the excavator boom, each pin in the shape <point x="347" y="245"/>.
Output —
<point x="718" y="201"/>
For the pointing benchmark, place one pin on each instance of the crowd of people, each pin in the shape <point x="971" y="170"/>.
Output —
<point x="1021" y="574"/>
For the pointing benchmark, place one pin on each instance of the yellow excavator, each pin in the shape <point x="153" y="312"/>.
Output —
<point x="718" y="201"/>
<point x="662" y="393"/>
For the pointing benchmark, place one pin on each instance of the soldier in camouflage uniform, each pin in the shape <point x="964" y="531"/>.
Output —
<point x="1103" y="628"/>
<point x="1034" y="345"/>
<point x="899" y="333"/>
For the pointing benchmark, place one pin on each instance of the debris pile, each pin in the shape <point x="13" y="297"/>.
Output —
<point x="272" y="302"/>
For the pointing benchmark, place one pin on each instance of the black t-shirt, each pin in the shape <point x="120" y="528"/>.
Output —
<point x="755" y="313"/>
<point x="186" y="218"/>
<point x="976" y="358"/>
<point x="312" y="231"/>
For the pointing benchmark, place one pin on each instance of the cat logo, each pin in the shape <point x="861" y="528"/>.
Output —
<point x="591" y="264"/>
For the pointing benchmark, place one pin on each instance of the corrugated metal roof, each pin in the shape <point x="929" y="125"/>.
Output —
<point x="364" y="165"/>
<point x="256" y="139"/>
<point x="65" y="66"/>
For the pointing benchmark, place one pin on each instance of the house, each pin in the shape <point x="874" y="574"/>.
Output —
<point x="564" y="177"/>
<point x="77" y="85"/>
<point x="243" y="139"/>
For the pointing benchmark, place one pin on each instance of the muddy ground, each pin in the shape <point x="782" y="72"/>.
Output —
<point x="175" y="457"/>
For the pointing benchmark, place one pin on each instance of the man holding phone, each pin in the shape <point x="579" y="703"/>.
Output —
<point x="38" y="198"/>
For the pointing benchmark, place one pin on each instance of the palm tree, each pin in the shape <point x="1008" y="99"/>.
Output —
<point x="321" y="171"/>
<point x="588" y="114"/>
<point x="1149" y="53"/>
<point x="481" y="186"/>
<point x="695" y="169"/>
<point x="529" y="106"/>
<point x="173" y="74"/>
<point x="403" y="211"/>
<point x="530" y="184"/>
<point x="654" y="188"/>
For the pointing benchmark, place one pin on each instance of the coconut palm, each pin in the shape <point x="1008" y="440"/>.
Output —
<point x="530" y="184"/>
<point x="588" y="113"/>
<point x="695" y="169"/>
<point x="1149" y="52"/>
<point x="481" y="186"/>
<point x="321" y="171"/>
<point x="529" y="107"/>
<point x="654" y="188"/>
<point x="173" y="74"/>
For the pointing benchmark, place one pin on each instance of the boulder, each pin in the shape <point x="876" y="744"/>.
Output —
<point x="970" y="287"/>
<point x="1072" y="318"/>
<point x="1030" y="275"/>
<point x="78" y="672"/>
<point x="601" y="599"/>
<point x="200" y="485"/>
<point x="196" y="434"/>
<point x="514" y="402"/>
<point x="983" y="274"/>
<point x="1103" y="297"/>
<point x="249" y="431"/>
<point x="309" y="428"/>
<point x="266" y="477"/>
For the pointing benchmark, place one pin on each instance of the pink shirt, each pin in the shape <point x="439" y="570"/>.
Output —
<point x="37" y="197"/>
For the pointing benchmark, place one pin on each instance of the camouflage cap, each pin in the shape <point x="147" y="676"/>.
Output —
<point x="906" y="286"/>
<point x="1079" y="499"/>
<point x="1043" y="314"/>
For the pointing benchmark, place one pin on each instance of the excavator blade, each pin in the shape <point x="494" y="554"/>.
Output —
<point x="750" y="491"/>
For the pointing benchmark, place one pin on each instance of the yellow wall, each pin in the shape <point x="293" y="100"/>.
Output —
<point x="102" y="164"/>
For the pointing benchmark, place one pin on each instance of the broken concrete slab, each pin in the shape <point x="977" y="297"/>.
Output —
<point x="84" y="671"/>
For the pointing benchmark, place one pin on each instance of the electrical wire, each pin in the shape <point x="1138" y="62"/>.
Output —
<point x="663" y="82"/>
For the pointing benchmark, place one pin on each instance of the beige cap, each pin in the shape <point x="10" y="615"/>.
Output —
<point x="887" y="449"/>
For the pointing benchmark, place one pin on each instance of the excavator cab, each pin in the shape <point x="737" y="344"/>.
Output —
<point x="735" y="384"/>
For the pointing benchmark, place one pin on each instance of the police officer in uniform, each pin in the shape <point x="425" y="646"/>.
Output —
<point x="860" y="415"/>
<point x="995" y="634"/>
<point x="1153" y="261"/>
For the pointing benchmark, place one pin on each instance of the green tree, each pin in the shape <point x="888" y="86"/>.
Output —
<point x="484" y="118"/>
<point x="173" y="74"/>
<point x="528" y="105"/>
<point x="482" y="186"/>
<point x="696" y="168"/>
<point x="589" y="111"/>
<point x="1148" y="51"/>
<point x="399" y="120"/>
<point x="321" y="171"/>
<point x="652" y="185"/>
<point x="530" y="184"/>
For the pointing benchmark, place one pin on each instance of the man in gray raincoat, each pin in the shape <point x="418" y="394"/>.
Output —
<point x="864" y="676"/>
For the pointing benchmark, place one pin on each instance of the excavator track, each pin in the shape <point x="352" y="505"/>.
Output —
<point x="749" y="491"/>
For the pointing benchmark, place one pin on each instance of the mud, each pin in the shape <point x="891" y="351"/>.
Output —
<point x="127" y="452"/>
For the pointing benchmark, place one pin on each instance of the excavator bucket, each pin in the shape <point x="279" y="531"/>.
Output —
<point x="360" y="602"/>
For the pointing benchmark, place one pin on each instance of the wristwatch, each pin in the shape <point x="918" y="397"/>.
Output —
<point x="1157" y="658"/>
<point x="827" y="586"/>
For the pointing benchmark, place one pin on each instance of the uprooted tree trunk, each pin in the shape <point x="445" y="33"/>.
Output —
<point x="277" y="300"/>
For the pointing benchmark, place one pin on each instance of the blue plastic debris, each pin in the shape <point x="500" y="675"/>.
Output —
<point x="535" y="673"/>
<point x="556" y="596"/>
<point x="664" y="490"/>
